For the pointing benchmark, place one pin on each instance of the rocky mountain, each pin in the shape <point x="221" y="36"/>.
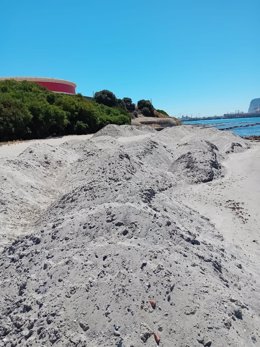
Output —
<point x="254" y="106"/>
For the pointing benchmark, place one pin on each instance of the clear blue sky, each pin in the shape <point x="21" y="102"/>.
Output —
<point x="187" y="56"/>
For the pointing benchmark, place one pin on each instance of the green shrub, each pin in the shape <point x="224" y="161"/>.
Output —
<point x="15" y="119"/>
<point x="107" y="115"/>
<point x="80" y="128"/>
<point x="163" y="112"/>
<point x="47" y="119"/>
<point x="30" y="111"/>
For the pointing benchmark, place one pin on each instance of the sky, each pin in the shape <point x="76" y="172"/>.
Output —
<point x="189" y="57"/>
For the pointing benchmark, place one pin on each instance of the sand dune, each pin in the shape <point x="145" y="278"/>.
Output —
<point x="131" y="238"/>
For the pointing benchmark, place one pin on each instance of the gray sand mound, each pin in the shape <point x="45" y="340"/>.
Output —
<point x="109" y="256"/>
<point x="124" y="131"/>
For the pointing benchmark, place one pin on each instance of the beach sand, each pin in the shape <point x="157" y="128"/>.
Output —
<point x="131" y="237"/>
<point x="13" y="149"/>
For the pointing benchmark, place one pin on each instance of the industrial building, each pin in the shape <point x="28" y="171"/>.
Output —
<point x="52" y="84"/>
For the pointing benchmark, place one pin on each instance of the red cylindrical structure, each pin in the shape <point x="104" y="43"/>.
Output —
<point x="52" y="84"/>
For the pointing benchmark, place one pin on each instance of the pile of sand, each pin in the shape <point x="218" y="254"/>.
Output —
<point x="110" y="255"/>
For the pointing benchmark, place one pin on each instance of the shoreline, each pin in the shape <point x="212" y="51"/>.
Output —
<point x="252" y="138"/>
<point x="244" y="127"/>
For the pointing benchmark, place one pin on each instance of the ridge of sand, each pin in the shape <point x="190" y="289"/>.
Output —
<point x="130" y="215"/>
<point x="13" y="149"/>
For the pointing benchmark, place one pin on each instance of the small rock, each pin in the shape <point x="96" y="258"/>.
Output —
<point x="36" y="240"/>
<point x="49" y="319"/>
<point x="116" y="333"/>
<point x="205" y="344"/>
<point x="84" y="326"/>
<point x="145" y="336"/>
<point x="228" y="324"/>
<point x="27" y="333"/>
<point x="120" y="344"/>
<point x="27" y="308"/>
<point x="54" y="336"/>
<point x="22" y="288"/>
<point x="190" y="310"/>
<point x="195" y="242"/>
<point x="4" y="330"/>
<point x="238" y="313"/>
<point x="143" y="265"/>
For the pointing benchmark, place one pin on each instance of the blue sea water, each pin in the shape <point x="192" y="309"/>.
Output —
<point x="240" y="126"/>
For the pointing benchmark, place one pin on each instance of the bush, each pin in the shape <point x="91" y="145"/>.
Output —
<point x="105" y="97"/>
<point x="15" y="119"/>
<point x="78" y="110"/>
<point x="130" y="106"/>
<point x="163" y="112"/>
<point x="47" y="119"/>
<point x="80" y="128"/>
<point x="146" y="107"/>
<point x="146" y="112"/>
<point x="30" y="111"/>
<point x="107" y="115"/>
<point x="121" y="104"/>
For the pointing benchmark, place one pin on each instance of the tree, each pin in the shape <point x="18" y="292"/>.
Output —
<point x="105" y="97"/>
<point x="47" y="120"/>
<point x="146" y="107"/>
<point x="147" y="112"/>
<point x="130" y="106"/>
<point x="14" y="119"/>
<point x="121" y="104"/>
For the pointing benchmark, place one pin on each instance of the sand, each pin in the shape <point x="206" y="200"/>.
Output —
<point x="13" y="149"/>
<point x="131" y="237"/>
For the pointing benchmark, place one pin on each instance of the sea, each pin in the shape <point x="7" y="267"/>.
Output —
<point x="240" y="126"/>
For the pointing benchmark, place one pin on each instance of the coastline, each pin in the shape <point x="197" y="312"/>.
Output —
<point x="245" y="127"/>
<point x="252" y="138"/>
